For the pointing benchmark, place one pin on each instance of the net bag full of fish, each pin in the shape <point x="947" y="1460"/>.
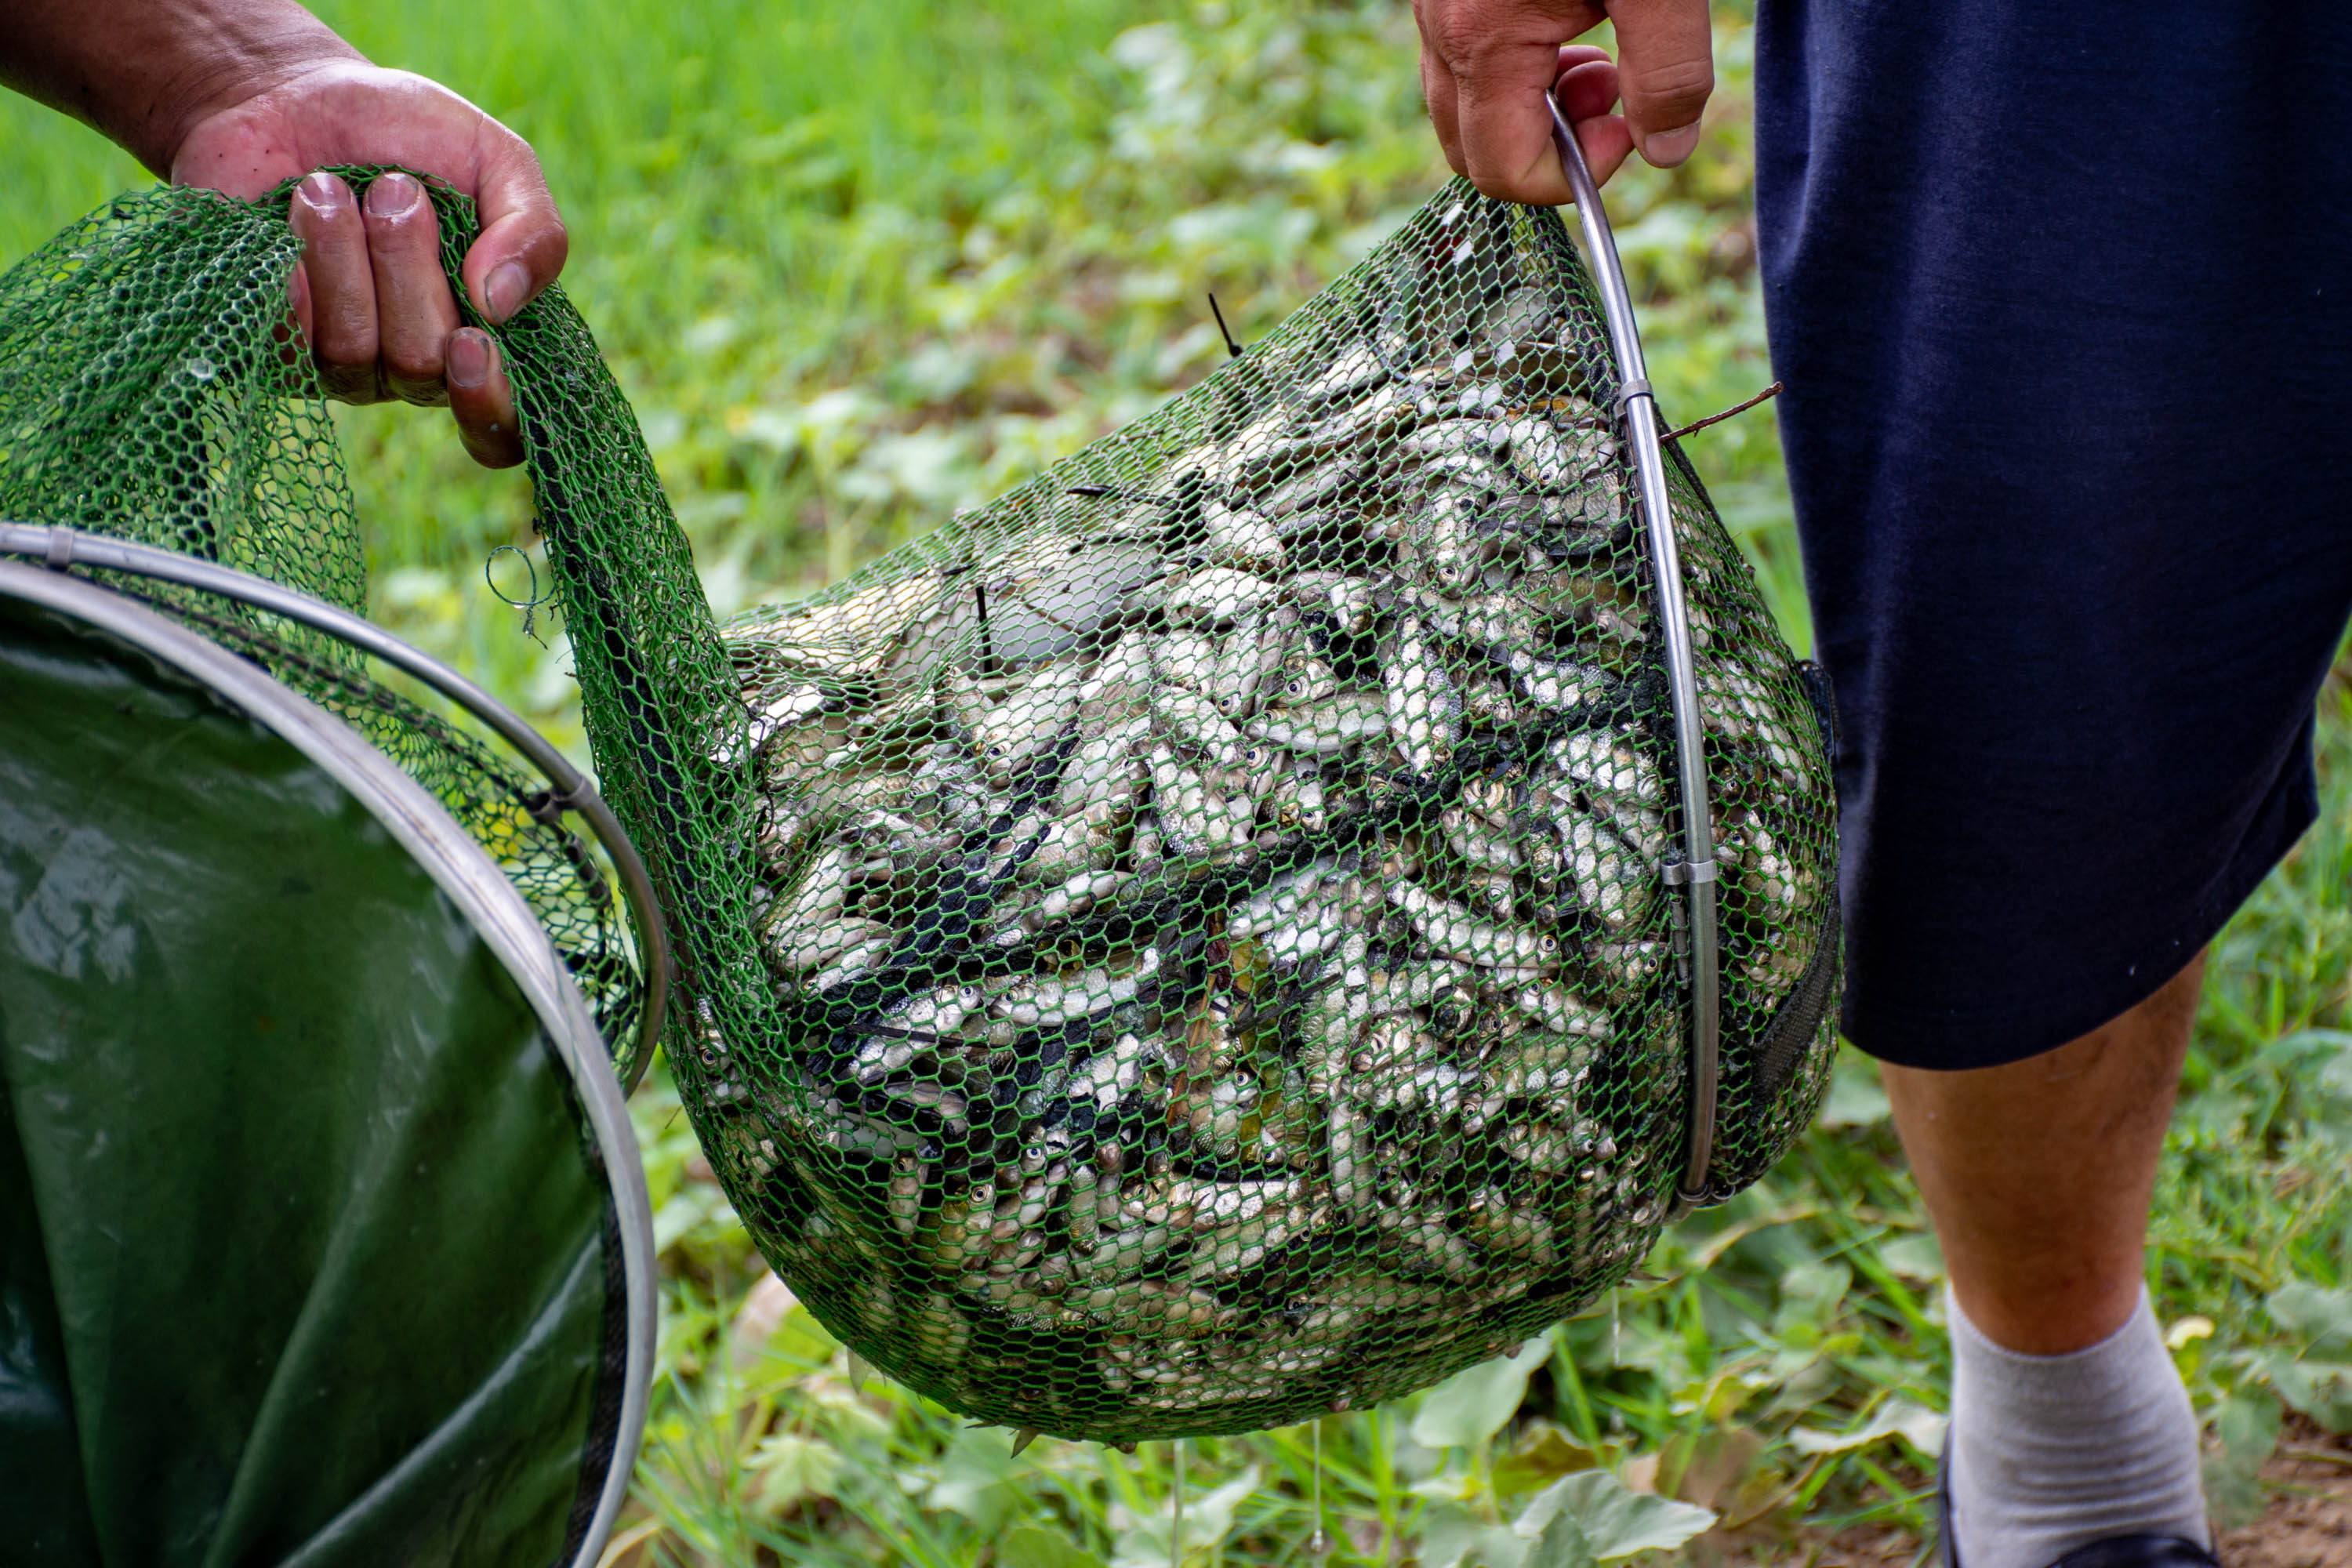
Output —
<point x="1267" y="914"/>
<point x="1223" y="894"/>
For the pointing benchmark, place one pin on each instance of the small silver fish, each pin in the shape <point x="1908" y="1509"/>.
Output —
<point x="1457" y="933"/>
<point x="1240" y="537"/>
<point x="1424" y="711"/>
<point x="1325" y="728"/>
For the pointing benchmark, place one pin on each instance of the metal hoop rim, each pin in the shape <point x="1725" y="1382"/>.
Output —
<point x="467" y="875"/>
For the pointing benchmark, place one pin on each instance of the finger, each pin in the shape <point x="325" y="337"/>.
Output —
<point x="294" y="335"/>
<point x="1665" y="70"/>
<point x="482" y="400"/>
<point x="1502" y="66"/>
<point x="340" y="285"/>
<point x="522" y="243"/>
<point x="414" y="313"/>
<point x="1586" y="92"/>
<point x="1437" y="92"/>
<point x="1585" y="87"/>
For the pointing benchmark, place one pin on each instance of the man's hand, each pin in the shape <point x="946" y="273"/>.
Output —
<point x="1485" y="65"/>
<point x="370" y="291"/>
<point x="241" y="95"/>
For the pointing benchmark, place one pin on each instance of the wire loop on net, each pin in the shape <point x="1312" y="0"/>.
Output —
<point x="529" y="605"/>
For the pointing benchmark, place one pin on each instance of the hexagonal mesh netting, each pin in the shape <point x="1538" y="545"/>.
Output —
<point x="1187" y="947"/>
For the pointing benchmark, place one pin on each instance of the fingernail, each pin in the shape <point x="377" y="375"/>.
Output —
<point x="508" y="287"/>
<point x="393" y="195"/>
<point x="321" y="191"/>
<point x="468" y="364"/>
<point x="1665" y="148"/>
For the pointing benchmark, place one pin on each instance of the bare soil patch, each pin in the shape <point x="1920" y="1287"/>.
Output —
<point x="2309" y="1523"/>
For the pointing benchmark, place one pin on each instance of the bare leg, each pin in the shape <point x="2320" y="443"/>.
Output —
<point x="2038" y="1174"/>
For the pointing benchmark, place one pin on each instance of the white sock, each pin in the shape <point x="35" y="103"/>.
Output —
<point x="2053" y="1452"/>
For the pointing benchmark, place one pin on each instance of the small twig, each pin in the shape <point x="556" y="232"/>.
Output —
<point x="987" y="648"/>
<point x="2307" y="1451"/>
<point x="1233" y="348"/>
<point x="1770" y="392"/>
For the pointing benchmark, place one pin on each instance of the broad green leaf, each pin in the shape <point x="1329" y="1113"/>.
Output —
<point x="791" y="1468"/>
<point x="2321" y="1390"/>
<point x="1452" y="1536"/>
<point x="1705" y="1465"/>
<point x="1560" y="1544"/>
<point x="2320" y="1316"/>
<point x="1452" y="1484"/>
<point x="973" y="1476"/>
<point x="1472" y="1405"/>
<point x="1856" y="1098"/>
<point x="2336" y="1075"/>
<point x="1612" y="1520"/>
<point x="1543" y="1455"/>
<point x="2245" y="1430"/>
<point x="849" y="1420"/>
<point x="1811" y="1294"/>
<point x="1915" y="1423"/>
<point x="1914" y="1256"/>
<point x="1035" y="1546"/>
<point x="2330" y="1051"/>
<point x="1208" y="1519"/>
<point x="1449" y="1535"/>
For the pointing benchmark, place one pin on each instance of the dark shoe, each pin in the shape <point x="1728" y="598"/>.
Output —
<point x="2115" y="1552"/>
<point x="1948" y="1552"/>
<point x="2140" y="1552"/>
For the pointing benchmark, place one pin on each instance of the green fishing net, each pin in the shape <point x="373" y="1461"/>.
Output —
<point x="1186" y="948"/>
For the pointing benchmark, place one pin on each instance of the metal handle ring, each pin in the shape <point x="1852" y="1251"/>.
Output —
<point x="1640" y="408"/>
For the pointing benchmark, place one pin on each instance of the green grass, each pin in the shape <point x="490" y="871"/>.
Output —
<point x="859" y="265"/>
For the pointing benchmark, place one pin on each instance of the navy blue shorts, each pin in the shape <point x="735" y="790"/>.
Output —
<point x="2062" y="297"/>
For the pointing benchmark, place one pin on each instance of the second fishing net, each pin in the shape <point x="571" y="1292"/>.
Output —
<point x="1214" y="898"/>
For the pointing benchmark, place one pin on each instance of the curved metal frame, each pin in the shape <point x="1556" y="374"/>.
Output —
<point x="464" y="873"/>
<point x="61" y="547"/>
<point x="1695" y="871"/>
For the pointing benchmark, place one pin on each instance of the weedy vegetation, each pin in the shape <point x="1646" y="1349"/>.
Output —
<point x="861" y="266"/>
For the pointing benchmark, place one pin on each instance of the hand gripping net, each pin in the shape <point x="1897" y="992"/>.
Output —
<point x="1189" y="947"/>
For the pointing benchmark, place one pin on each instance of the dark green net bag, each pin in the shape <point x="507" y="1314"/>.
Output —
<point x="1207" y="940"/>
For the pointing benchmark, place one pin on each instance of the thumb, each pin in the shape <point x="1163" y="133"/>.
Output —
<point x="1665" y="68"/>
<point x="523" y="244"/>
